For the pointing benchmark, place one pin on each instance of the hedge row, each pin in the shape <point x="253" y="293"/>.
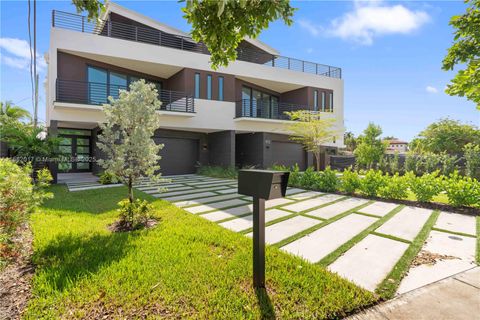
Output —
<point x="460" y="190"/>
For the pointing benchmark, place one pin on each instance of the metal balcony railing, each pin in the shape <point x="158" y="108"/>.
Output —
<point x="97" y="94"/>
<point x="124" y="31"/>
<point x="248" y="108"/>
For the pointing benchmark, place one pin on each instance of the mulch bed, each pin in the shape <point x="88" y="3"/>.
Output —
<point x="118" y="226"/>
<point x="15" y="279"/>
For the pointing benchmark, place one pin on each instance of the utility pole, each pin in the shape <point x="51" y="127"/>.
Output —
<point x="35" y="106"/>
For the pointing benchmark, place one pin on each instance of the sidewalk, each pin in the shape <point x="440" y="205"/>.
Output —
<point x="453" y="298"/>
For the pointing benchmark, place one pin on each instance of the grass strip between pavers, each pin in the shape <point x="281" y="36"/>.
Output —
<point x="454" y="232"/>
<point x="389" y="285"/>
<point x="329" y="259"/>
<point x="318" y="226"/>
<point x="389" y="236"/>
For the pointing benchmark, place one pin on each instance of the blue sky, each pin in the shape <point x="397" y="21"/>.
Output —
<point x="390" y="53"/>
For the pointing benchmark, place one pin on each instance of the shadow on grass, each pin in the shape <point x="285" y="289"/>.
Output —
<point x="69" y="258"/>
<point x="267" y="310"/>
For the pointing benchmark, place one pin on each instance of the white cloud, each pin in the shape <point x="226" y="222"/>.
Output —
<point x="370" y="19"/>
<point x="309" y="50"/>
<point x="431" y="89"/>
<point x="310" y="27"/>
<point x="19" y="54"/>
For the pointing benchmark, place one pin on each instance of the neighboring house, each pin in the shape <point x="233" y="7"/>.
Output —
<point x="396" y="146"/>
<point x="232" y="116"/>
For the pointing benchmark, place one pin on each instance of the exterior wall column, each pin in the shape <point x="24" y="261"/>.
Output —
<point x="222" y="148"/>
<point x="53" y="165"/>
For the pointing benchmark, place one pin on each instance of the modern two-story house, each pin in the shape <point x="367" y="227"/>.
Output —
<point x="233" y="116"/>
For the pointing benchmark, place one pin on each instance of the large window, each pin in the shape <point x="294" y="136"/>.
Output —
<point x="260" y="104"/>
<point x="197" y="85"/>
<point x="315" y="100"/>
<point x="97" y="85"/>
<point x="118" y="82"/>
<point x="209" y="87"/>
<point x="220" y="88"/>
<point x="323" y="101"/>
<point x="331" y="102"/>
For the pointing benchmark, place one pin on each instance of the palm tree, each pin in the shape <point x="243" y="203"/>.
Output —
<point x="13" y="112"/>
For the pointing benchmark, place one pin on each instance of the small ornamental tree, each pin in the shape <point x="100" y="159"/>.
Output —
<point x="126" y="138"/>
<point x="370" y="148"/>
<point x="311" y="131"/>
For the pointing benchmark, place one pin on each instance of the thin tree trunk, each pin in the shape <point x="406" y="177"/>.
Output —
<point x="317" y="156"/>
<point x="130" y="189"/>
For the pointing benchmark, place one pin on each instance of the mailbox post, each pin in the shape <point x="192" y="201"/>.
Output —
<point x="261" y="185"/>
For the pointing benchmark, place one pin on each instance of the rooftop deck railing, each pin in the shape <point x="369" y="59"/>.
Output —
<point x="94" y="93"/>
<point x="247" y="108"/>
<point x="124" y="31"/>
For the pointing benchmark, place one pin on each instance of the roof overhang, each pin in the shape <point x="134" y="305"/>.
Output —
<point x="127" y="13"/>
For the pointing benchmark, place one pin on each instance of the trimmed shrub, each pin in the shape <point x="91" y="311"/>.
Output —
<point x="18" y="198"/>
<point x="108" y="178"/>
<point x="327" y="180"/>
<point x="396" y="187"/>
<point x="350" y="181"/>
<point x="372" y="182"/>
<point x="294" y="179"/>
<point x="309" y="178"/>
<point x="472" y="160"/>
<point x="448" y="163"/>
<point x="134" y="215"/>
<point x="218" y="172"/>
<point x="462" y="191"/>
<point x="424" y="187"/>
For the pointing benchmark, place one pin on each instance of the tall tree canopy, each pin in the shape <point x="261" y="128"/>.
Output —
<point x="465" y="51"/>
<point x="446" y="135"/>
<point x="220" y="24"/>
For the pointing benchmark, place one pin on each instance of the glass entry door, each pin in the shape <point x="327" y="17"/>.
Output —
<point x="75" y="153"/>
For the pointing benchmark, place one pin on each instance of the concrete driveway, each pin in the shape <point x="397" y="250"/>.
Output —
<point x="316" y="226"/>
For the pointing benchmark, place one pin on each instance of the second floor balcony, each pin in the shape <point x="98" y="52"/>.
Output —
<point x="119" y="30"/>
<point x="93" y="93"/>
<point x="270" y="109"/>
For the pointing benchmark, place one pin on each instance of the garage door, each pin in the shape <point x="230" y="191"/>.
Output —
<point x="288" y="154"/>
<point x="179" y="155"/>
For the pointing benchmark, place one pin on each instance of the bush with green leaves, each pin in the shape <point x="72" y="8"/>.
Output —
<point x="410" y="162"/>
<point x="327" y="180"/>
<point x="134" y="215"/>
<point x="396" y="187"/>
<point x="309" y="178"/>
<point x="462" y="191"/>
<point x="218" y="172"/>
<point x="472" y="160"/>
<point x="426" y="186"/>
<point x="108" y="178"/>
<point x="350" y="181"/>
<point x="448" y="163"/>
<point x="372" y="182"/>
<point x="19" y="196"/>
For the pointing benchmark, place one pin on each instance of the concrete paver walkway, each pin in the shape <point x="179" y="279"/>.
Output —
<point x="454" y="298"/>
<point x="366" y="261"/>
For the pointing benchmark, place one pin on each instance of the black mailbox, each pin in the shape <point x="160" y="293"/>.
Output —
<point x="261" y="185"/>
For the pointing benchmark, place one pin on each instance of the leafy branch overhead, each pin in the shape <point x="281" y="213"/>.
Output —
<point x="223" y="24"/>
<point x="465" y="51"/>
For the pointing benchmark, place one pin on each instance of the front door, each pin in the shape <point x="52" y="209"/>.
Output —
<point x="75" y="153"/>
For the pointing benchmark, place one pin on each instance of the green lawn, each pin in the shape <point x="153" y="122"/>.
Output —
<point x="186" y="267"/>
